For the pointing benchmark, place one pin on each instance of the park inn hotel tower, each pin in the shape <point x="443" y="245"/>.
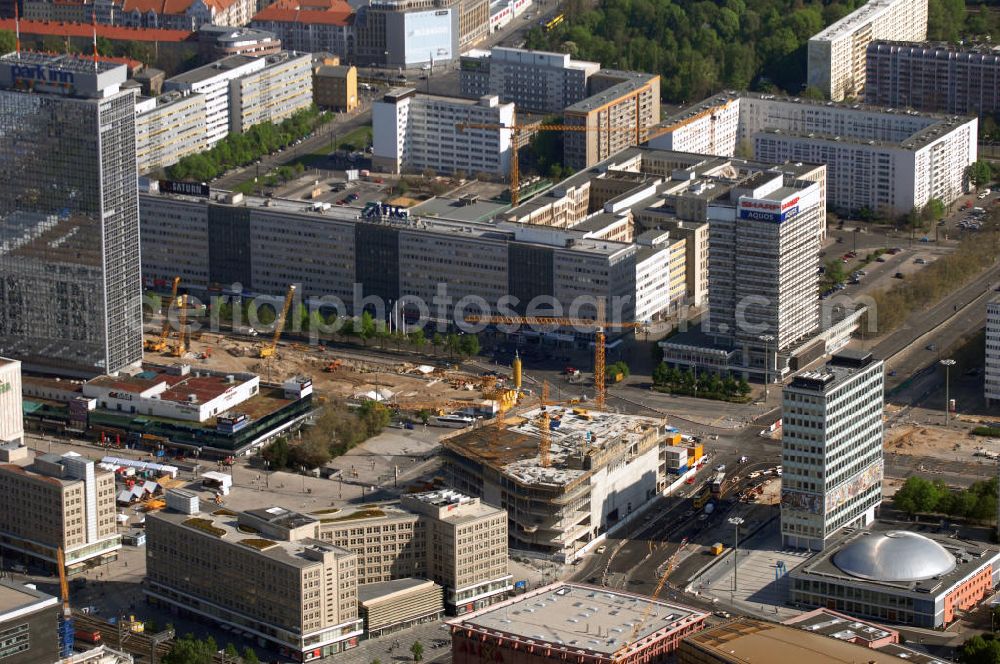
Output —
<point x="70" y="285"/>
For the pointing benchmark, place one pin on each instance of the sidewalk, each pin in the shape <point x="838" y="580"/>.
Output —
<point x="385" y="648"/>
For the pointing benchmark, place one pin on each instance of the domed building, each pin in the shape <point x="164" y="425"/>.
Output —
<point x="898" y="576"/>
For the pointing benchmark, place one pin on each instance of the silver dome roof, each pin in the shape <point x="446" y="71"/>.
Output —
<point x="894" y="556"/>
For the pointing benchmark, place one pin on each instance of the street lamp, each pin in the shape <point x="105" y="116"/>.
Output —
<point x="948" y="364"/>
<point x="737" y="521"/>
<point x="767" y="339"/>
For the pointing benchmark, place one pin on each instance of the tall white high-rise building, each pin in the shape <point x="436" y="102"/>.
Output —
<point x="11" y="416"/>
<point x="763" y="245"/>
<point x="70" y="283"/>
<point x="414" y="131"/>
<point x="836" y="56"/>
<point x="992" y="387"/>
<point x="831" y="449"/>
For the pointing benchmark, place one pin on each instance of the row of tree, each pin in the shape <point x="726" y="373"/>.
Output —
<point x="705" y="384"/>
<point x="244" y="149"/>
<point x="975" y="253"/>
<point x="336" y="430"/>
<point x="190" y="650"/>
<point x="922" y="496"/>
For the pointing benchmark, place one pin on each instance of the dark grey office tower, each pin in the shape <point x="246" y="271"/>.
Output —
<point x="70" y="280"/>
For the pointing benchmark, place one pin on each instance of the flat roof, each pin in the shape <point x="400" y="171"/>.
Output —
<point x="203" y="387"/>
<point x="969" y="556"/>
<point x="212" y="69"/>
<point x="459" y="210"/>
<point x="579" y="617"/>
<point x="855" y="19"/>
<point x="840" y="626"/>
<point x="222" y="524"/>
<point x="373" y="592"/>
<point x="631" y="81"/>
<point x="754" y="641"/>
<point x="840" y="368"/>
<point x="514" y="449"/>
<point x="282" y="517"/>
<point x="17" y="600"/>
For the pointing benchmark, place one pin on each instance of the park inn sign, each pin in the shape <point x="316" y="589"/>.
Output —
<point x="37" y="72"/>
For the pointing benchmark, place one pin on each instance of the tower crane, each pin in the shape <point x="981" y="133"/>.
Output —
<point x="180" y="348"/>
<point x="619" y="655"/>
<point x="515" y="134"/>
<point x="545" y="441"/>
<point x="270" y="349"/>
<point x="159" y="344"/>
<point x="600" y="324"/>
<point x="66" y="634"/>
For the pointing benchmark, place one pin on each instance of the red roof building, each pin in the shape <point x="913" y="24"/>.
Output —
<point x="308" y="25"/>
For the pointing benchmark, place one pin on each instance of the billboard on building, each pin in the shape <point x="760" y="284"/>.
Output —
<point x="765" y="210"/>
<point x="428" y="36"/>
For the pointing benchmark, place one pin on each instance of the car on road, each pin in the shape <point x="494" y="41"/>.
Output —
<point x="920" y="261"/>
<point x="925" y="239"/>
<point x="880" y="259"/>
<point x="721" y="468"/>
<point x="931" y="347"/>
<point x="899" y="275"/>
<point x="601" y="549"/>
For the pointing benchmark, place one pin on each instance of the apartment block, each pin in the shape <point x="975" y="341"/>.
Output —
<point x="185" y="14"/>
<point x="621" y="109"/>
<point x="831" y="449"/>
<point x="536" y="81"/>
<point x="11" y="414"/>
<point x="336" y="87"/>
<point x="169" y="128"/>
<point x="262" y="572"/>
<point x="451" y="539"/>
<point x="311" y="26"/>
<point x="54" y="502"/>
<point x="280" y="89"/>
<point x="836" y="55"/>
<point x="992" y="361"/>
<point x="948" y="78"/>
<point x="213" y="81"/>
<point x="886" y="160"/>
<point x="414" y="131"/>
<point x="70" y="285"/>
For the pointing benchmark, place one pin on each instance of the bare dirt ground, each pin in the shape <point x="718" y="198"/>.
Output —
<point x="339" y="373"/>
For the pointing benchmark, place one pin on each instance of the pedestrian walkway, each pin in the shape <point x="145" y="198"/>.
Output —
<point x="395" y="648"/>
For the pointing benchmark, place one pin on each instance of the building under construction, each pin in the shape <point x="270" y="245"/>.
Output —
<point x="568" y="622"/>
<point x="593" y="471"/>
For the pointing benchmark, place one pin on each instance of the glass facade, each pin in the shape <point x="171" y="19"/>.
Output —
<point x="70" y="289"/>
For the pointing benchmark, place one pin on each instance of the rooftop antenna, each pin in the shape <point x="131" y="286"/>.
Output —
<point x="17" y="31"/>
<point x="93" y="25"/>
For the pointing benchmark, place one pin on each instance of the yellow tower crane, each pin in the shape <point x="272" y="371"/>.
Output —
<point x="600" y="325"/>
<point x="159" y="344"/>
<point x="515" y="138"/>
<point x="545" y="440"/>
<point x="270" y="349"/>
<point x="180" y="348"/>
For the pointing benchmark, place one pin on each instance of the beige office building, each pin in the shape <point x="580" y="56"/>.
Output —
<point x="260" y="571"/>
<point x="53" y="502"/>
<point x="449" y="538"/>
<point x="276" y="92"/>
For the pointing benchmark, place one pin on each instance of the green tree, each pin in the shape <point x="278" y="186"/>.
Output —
<point x="418" y="651"/>
<point x="468" y="345"/>
<point x="917" y="496"/>
<point x="417" y="338"/>
<point x="660" y="373"/>
<point x="231" y="650"/>
<point x="276" y="454"/>
<point x="374" y="417"/>
<point x="250" y="656"/>
<point x="437" y="341"/>
<point x="366" y="329"/>
<point x="7" y="41"/>
<point x="979" y="173"/>
<point x="743" y="388"/>
<point x="978" y="650"/>
<point x="189" y="650"/>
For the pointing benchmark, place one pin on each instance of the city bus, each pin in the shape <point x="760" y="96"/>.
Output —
<point x="553" y="22"/>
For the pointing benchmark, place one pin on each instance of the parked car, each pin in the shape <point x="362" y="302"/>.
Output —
<point x="899" y="275"/>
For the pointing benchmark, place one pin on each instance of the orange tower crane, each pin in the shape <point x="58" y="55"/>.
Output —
<point x="600" y="324"/>
<point x="545" y="442"/>
<point x="66" y="621"/>
<point x="159" y="344"/>
<point x="515" y="134"/>
<point x="279" y="326"/>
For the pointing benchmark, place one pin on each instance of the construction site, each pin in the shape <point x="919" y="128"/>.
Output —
<point x="565" y="474"/>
